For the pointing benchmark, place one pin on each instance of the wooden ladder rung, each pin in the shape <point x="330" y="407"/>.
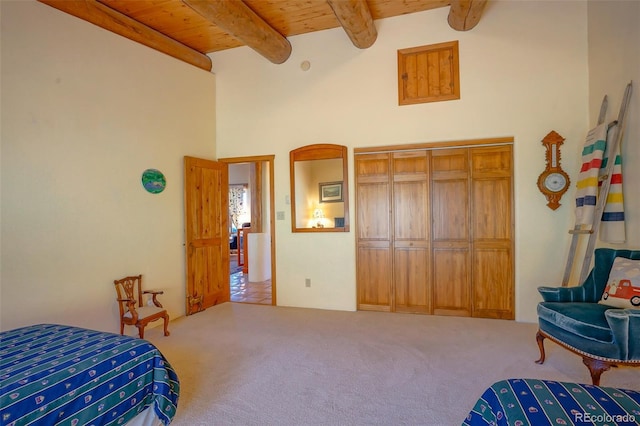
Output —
<point x="581" y="231"/>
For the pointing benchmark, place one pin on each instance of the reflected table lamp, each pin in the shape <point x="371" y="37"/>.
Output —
<point x="318" y="214"/>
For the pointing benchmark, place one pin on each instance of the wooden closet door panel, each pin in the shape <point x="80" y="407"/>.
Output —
<point x="450" y="194"/>
<point x="410" y="209"/>
<point x="492" y="161"/>
<point x="451" y="281"/>
<point x="451" y="233"/>
<point x="491" y="216"/>
<point x="372" y="167"/>
<point x="493" y="283"/>
<point x="492" y="189"/>
<point x="450" y="210"/>
<point x="493" y="230"/>
<point x="410" y="196"/>
<point x="411" y="283"/>
<point x="410" y="204"/>
<point x="373" y="238"/>
<point x="373" y="216"/>
<point x="411" y="247"/>
<point x="449" y="163"/>
<point x="374" y="278"/>
<point x="373" y="211"/>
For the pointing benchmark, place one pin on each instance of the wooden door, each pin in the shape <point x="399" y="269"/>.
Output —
<point x="451" y="232"/>
<point x="411" y="251"/>
<point x="207" y="233"/>
<point x="434" y="231"/>
<point x="492" y="224"/>
<point x="373" y="216"/>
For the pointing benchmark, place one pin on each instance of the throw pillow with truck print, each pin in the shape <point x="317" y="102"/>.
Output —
<point x="623" y="285"/>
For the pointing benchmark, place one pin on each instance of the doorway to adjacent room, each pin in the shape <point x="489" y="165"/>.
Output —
<point x="251" y="224"/>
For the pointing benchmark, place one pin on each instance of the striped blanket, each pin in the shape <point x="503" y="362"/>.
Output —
<point x="595" y="156"/>
<point x="532" y="402"/>
<point x="61" y="375"/>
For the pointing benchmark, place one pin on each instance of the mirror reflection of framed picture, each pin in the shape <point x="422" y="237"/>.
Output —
<point x="330" y="192"/>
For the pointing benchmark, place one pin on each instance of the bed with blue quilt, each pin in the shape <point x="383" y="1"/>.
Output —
<point x="522" y="402"/>
<point x="61" y="375"/>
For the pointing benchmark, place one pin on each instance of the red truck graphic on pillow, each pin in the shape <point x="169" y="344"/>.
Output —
<point x="623" y="290"/>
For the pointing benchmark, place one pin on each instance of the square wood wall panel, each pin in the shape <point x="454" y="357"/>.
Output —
<point x="428" y="73"/>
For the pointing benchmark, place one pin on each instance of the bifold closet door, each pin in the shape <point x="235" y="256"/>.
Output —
<point x="393" y="257"/>
<point x="492" y="224"/>
<point x="374" y="263"/>
<point x="410" y="212"/>
<point x="435" y="231"/>
<point x="451" y="232"/>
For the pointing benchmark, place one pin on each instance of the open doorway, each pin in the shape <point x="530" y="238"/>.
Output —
<point x="251" y="225"/>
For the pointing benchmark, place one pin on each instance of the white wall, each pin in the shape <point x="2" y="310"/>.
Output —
<point x="614" y="61"/>
<point x="84" y="113"/>
<point x="523" y="74"/>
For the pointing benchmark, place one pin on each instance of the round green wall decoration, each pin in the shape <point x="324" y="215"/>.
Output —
<point x="153" y="181"/>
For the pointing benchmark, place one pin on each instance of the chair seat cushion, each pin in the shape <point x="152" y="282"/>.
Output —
<point x="145" y="312"/>
<point x="586" y="320"/>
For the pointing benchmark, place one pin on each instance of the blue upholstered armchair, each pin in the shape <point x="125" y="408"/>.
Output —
<point x="603" y="335"/>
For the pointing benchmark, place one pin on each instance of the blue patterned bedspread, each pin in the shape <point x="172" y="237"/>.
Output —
<point x="521" y="402"/>
<point x="60" y="375"/>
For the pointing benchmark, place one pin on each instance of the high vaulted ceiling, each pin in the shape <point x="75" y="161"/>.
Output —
<point x="189" y="29"/>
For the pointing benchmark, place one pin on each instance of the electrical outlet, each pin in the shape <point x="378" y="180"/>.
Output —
<point x="280" y="215"/>
<point x="307" y="282"/>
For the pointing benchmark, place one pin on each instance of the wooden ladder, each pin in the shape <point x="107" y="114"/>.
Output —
<point x="592" y="230"/>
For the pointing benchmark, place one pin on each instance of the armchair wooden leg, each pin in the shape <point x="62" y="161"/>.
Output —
<point x="141" y="332"/>
<point x="540" y="339"/>
<point x="166" y="325"/>
<point x="596" y="368"/>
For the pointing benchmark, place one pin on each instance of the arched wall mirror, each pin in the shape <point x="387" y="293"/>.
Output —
<point x="319" y="188"/>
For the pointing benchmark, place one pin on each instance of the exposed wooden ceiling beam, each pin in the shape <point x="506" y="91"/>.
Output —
<point x="355" y="18"/>
<point x="465" y="14"/>
<point x="114" y="21"/>
<point x="237" y="19"/>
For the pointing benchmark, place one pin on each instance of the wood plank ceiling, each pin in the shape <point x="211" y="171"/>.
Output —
<point x="189" y="29"/>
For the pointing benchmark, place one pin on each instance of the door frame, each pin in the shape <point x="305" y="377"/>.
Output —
<point x="269" y="159"/>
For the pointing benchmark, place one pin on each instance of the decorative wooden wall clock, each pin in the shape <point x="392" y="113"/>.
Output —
<point x="553" y="182"/>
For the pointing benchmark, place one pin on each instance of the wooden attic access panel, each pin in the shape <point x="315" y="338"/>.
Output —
<point x="428" y="73"/>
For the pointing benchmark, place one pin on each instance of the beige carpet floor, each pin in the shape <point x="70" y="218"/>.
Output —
<point x="242" y="364"/>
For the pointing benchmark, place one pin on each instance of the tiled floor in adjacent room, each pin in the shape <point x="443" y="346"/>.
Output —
<point x="249" y="292"/>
